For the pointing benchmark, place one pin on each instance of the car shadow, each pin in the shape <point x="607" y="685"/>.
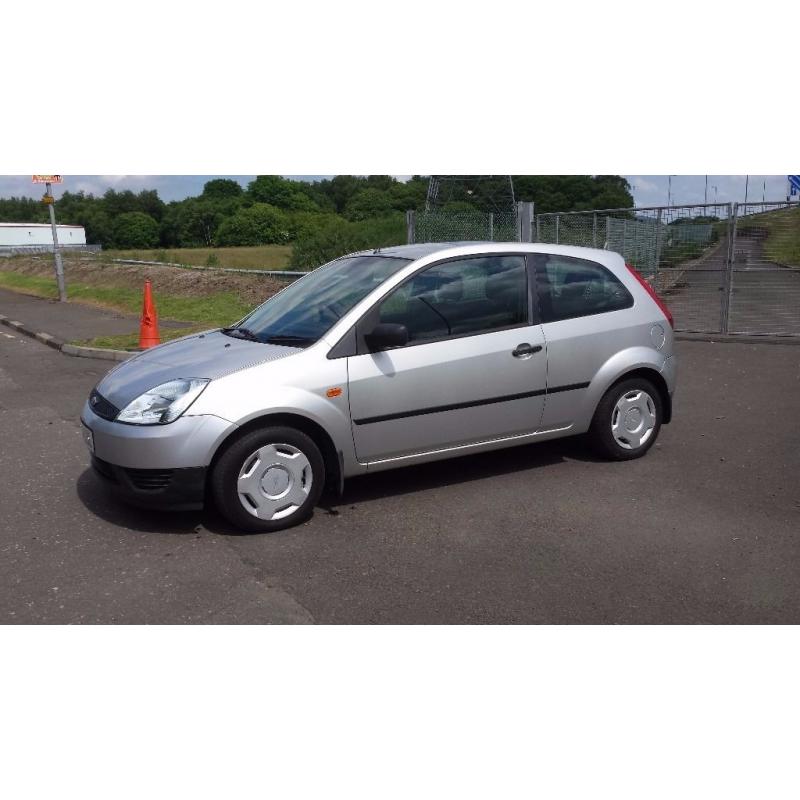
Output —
<point x="99" y="499"/>
<point x="464" y="469"/>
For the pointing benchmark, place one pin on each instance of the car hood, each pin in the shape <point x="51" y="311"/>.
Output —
<point x="205" y="355"/>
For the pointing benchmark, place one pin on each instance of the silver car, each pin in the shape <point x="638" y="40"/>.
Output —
<point x="383" y="359"/>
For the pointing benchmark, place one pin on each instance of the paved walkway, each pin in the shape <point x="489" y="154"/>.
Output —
<point x="70" y="321"/>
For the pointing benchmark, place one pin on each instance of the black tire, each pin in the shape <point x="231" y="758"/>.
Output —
<point x="224" y="478"/>
<point x="600" y="434"/>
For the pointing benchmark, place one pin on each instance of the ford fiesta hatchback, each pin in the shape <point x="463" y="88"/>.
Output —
<point x="383" y="359"/>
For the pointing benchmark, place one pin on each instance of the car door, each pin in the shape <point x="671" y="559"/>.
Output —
<point x="582" y="309"/>
<point x="474" y="368"/>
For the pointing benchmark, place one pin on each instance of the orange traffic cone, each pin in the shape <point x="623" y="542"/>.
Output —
<point x="148" y="330"/>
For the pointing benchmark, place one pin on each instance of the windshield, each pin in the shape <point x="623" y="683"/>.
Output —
<point x="304" y="311"/>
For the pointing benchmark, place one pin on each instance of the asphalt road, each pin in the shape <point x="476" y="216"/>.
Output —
<point x="706" y="528"/>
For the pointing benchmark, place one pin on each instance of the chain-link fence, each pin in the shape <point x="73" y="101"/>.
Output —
<point x="464" y="226"/>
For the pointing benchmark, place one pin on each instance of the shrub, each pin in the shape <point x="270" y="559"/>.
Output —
<point x="135" y="229"/>
<point x="259" y="224"/>
<point x="336" y="237"/>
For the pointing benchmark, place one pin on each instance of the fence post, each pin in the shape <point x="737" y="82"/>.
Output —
<point x="491" y="226"/>
<point x="625" y="240"/>
<point x="538" y="228"/>
<point x="658" y="246"/>
<point x="524" y="221"/>
<point x="725" y="311"/>
<point x="558" y="218"/>
<point x="411" y="232"/>
<point x="594" y="229"/>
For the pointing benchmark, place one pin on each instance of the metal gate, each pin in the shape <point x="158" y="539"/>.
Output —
<point x="722" y="268"/>
<point x="765" y="269"/>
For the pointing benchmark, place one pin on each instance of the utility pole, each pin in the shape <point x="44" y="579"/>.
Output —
<point x="764" y="192"/>
<point x="746" y="184"/>
<point x="62" y="289"/>
<point x="705" y="196"/>
<point x="669" y="190"/>
<point x="49" y="200"/>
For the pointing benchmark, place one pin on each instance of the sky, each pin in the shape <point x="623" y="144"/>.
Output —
<point x="648" y="190"/>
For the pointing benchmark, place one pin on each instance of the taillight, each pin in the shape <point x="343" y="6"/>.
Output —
<point x="652" y="292"/>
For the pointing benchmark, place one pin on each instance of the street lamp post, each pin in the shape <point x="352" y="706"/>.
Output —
<point x="705" y="195"/>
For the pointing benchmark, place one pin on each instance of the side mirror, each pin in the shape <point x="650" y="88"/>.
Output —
<point x="386" y="335"/>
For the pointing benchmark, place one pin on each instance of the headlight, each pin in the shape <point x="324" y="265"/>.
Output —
<point x="163" y="404"/>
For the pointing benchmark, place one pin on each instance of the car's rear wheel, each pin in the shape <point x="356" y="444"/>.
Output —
<point x="269" y="479"/>
<point x="627" y="420"/>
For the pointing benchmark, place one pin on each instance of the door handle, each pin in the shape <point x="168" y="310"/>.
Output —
<point x="525" y="350"/>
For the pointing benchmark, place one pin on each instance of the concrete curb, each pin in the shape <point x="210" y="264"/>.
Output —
<point x="736" y="338"/>
<point x="64" y="347"/>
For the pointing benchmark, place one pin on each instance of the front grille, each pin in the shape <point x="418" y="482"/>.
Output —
<point x="149" y="480"/>
<point x="104" y="468"/>
<point x="102" y="407"/>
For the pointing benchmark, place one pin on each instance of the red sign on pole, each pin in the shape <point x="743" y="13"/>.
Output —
<point x="47" y="179"/>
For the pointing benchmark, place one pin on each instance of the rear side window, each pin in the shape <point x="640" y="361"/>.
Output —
<point x="459" y="298"/>
<point x="572" y="287"/>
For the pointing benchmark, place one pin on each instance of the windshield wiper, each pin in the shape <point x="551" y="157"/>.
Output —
<point x="240" y="333"/>
<point x="300" y="341"/>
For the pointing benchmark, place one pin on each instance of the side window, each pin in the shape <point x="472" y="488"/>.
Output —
<point x="457" y="298"/>
<point x="571" y="287"/>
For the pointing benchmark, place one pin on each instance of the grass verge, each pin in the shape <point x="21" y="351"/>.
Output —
<point x="211" y="311"/>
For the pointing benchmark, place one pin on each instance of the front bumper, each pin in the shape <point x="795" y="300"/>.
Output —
<point x="173" y="489"/>
<point x="157" y="466"/>
<point x="186" y="442"/>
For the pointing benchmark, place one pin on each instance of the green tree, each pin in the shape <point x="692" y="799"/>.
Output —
<point x="222" y="189"/>
<point x="134" y="229"/>
<point x="22" y="209"/>
<point x="259" y="224"/>
<point x="341" y="188"/>
<point x="573" y="192"/>
<point x="368" y="203"/>
<point x="409" y="195"/>
<point x="280" y="192"/>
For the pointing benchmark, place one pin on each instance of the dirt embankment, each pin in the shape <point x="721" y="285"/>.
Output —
<point x="93" y="271"/>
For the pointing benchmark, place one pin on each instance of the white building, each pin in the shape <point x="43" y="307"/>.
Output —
<point x="38" y="234"/>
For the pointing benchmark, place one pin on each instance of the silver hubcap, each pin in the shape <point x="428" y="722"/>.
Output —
<point x="274" y="481"/>
<point x="633" y="419"/>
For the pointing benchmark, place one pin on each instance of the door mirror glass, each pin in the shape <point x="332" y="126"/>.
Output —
<point x="386" y="335"/>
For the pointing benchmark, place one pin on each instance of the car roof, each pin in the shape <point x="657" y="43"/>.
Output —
<point x="422" y="250"/>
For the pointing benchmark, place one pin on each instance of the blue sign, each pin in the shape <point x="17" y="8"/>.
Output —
<point x="794" y="184"/>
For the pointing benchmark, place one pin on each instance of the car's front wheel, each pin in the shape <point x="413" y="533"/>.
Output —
<point x="627" y="420"/>
<point x="268" y="479"/>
